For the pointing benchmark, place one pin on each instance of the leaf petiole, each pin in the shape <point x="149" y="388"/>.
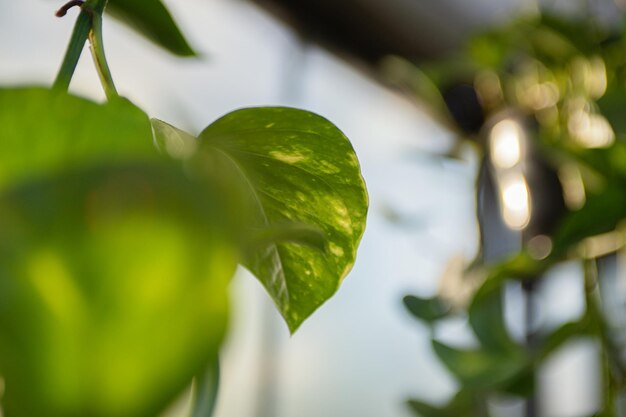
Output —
<point x="88" y="26"/>
<point x="97" y="52"/>
<point x="74" y="49"/>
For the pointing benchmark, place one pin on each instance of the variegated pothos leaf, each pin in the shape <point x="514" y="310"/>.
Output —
<point x="299" y="168"/>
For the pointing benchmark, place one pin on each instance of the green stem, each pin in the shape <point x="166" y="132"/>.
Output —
<point x="610" y="361"/>
<point x="88" y="26"/>
<point x="74" y="49"/>
<point x="99" y="59"/>
<point x="207" y="387"/>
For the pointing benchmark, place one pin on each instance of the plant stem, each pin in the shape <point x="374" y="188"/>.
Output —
<point x="207" y="387"/>
<point x="97" y="52"/>
<point x="609" y="358"/>
<point x="74" y="49"/>
<point x="529" y="319"/>
<point x="88" y="26"/>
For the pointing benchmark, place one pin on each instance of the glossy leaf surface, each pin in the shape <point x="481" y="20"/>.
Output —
<point x="299" y="168"/>
<point x="152" y="19"/>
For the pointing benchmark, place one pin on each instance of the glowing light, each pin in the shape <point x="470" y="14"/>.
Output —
<point x="505" y="143"/>
<point x="515" y="199"/>
<point x="590" y="130"/>
<point x="541" y="96"/>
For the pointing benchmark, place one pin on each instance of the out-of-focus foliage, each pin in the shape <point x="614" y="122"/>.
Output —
<point x="152" y="19"/>
<point x="115" y="259"/>
<point x="114" y="267"/>
<point x="553" y="90"/>
<point x="119" y="236"/>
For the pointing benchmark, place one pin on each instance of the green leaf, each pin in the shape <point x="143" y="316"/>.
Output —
<point x="424" y="409"/>
<point x="113" y="265"/>
<point x="464" y="403"/>
<point x="43" y="133"/>
<point x="114" y="288"/>
<point x="611" y="106"/>
<point x="151" y="19"/>
<point x="481" y="369"/>
<point x="302" y="234"/>
<point x="601" y="213"/>
<point x="427" y="309"/>
<point x="486" y="317"/>
<point x="299" y="168"/>
<point x="173" y="141"/>
<point x="486" y="314"/>
<point x="565" y="333"/>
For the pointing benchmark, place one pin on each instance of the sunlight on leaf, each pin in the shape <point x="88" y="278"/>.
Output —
<point x="298" y="168"/>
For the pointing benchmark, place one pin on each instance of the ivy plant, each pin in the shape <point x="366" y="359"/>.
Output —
<point x="119" y="234"/>
<point x="562" y="82"/>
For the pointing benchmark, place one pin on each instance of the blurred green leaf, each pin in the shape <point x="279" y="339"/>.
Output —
<point x="481" y="369"/>
<point x="600" y="214"/>
<point x="427" y="309"/>
<point x="612" y="105"/>
<point x="426" y="410"/>
<point x="151" y="19"/>
<point x="43" y="133"/>
<point x="113" y="265"/>
<point x="403" y="73"/>
<point x="563" y="334"/>
<point x="173" y="141"/>
<point x="489" y="50"/>
<point x="114" y="288"/>
<point x="299" y="168"/>
<point x="486" y="317"/>
<point x="462" y="404"/>
<point x="547" y="38"/>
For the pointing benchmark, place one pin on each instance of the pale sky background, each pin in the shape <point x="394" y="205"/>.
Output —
<point x="360" y="354"/>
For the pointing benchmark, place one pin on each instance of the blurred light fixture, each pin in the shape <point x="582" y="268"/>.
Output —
<point x="505" y="144"/>
<point x="515" y="199"/>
